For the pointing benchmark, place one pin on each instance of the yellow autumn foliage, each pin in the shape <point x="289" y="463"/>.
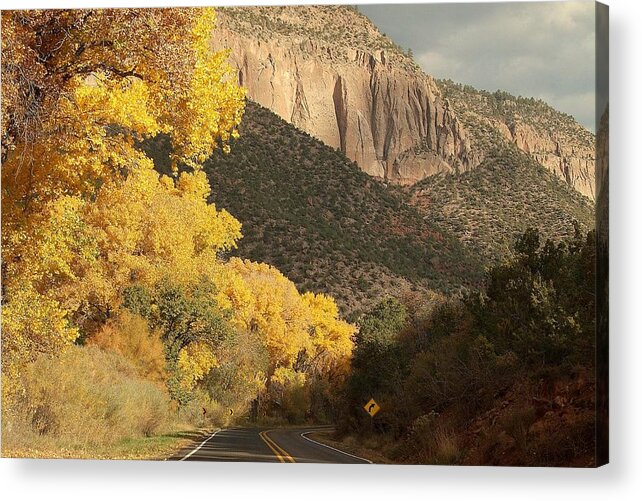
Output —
<point x="147" y="229"/>
<point x="284" y="377"/>
<point x="32" y="323"/>
<point x="276" y="311"/>
<point x="140" y="229"/>
<point x="331" y="337"/>
<point x="288" y="388"/>
<point x="84" y="213"/>
<point x="103" y="90"/>
<point x="194" y="362"/>
<point x="209" y="111"/>
<point x="86" y="217"/>
<point x="289" y="323"/>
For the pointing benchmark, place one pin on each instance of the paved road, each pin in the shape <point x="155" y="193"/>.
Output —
<point x="285" y="445"/>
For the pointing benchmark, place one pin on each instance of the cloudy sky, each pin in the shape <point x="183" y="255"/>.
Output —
<point x="540" y="49"/>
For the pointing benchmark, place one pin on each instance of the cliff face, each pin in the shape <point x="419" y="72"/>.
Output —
<point x="574" y="163"/>
<point x="373" y="105"/>
<point x="552" y="138"/>
<point x="331" y="73"/>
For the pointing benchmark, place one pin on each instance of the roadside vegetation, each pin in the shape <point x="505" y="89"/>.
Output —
<point x="123" y="320"/>
<point x="505" y="376"/>
<point x="176" y="258"/>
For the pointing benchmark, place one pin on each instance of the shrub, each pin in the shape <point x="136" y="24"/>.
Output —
<point x="446" y="448"/>
<point x="203" y="412"/>
<point x="288" y="391"/>
<point x="431" y="442"/>
<point x="82" y="398"/>
<point x="517" y="423"/>
<point x="440" y="371"/>
<point x="129" y="335"/>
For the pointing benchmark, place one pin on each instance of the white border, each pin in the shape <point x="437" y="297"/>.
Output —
<point x="108" y="480"/>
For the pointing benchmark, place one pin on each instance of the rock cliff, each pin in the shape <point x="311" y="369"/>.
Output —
<point x="351" y="88"/>
<point x="552" y="138"/>
<point x="331" y="73"/>
<point x="574" y="163"/>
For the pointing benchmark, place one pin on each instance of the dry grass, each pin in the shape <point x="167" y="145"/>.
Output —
<point x="432" y="442"/>
<point x="158" y="447"/>
<point x="517" y="424"/>
<point x="446" y="449"/>
<point x="88" y="402"/>
<point x="129" y="335"/>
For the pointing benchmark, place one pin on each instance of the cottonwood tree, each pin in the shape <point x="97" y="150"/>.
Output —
<point x="81" y="89"/>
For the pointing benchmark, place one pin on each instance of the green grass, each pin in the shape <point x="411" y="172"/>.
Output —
<point x="156" y="447"/>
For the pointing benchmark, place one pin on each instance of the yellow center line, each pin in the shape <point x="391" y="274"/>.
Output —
<point x="267" y="441"/>
<point x="278" y="451"/>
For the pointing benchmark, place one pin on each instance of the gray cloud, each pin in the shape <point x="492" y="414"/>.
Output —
<point x="539" y="49"/>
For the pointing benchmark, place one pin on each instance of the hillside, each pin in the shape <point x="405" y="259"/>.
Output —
<point x="328" y="226"/>
<point x="552" y="138"/>
<point x="537" y="170"/>
<point x="311" y="212"/>
<point x="488" y="207"/>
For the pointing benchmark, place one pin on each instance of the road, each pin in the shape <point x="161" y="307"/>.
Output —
<point x="266" y="445"/>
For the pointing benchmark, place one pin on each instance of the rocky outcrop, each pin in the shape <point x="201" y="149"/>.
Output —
<point x="331" y="73"/>
<point x="386" y="117"/>
<point x="574" y="163"/>
<point x="552" y="138"/>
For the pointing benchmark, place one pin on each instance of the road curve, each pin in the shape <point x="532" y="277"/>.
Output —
<point x="266" y="445"/>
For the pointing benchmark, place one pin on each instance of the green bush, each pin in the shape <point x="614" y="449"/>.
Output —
<point x="440" y="368"/>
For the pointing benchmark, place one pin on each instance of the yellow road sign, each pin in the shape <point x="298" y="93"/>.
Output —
<point x="371" y="407"/>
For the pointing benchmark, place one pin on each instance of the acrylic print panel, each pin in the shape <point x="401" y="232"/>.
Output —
<point x="307" y="234"/>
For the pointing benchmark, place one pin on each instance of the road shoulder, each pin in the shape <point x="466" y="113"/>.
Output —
<point x="187" y="449"/>
<point x="153" y="448"/>
<point x="350" y="445"/>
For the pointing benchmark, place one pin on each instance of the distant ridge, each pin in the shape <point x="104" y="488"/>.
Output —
<point x="329" y="71"/>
